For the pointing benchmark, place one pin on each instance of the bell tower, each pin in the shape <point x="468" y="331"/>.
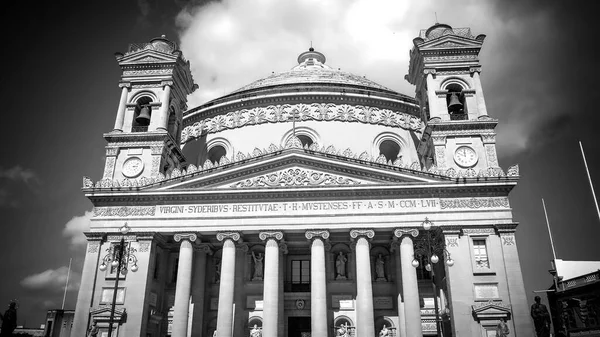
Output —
<point x="145" y="141"/>
<point x="444" y="67"/>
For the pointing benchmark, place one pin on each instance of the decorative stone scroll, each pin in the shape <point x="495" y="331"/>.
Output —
<point x="125" y="211"/>
<point x="324" y="234"/>
<point x="501" y="202"/>
<point x="356" y="233"/>
<point x="205" y="248"/>
<point x="192" y="237"/>
<point x="235" y="236"/>
<point x="295" y="177"/>
<point x="399" y="232"/>
<point x="87" y="182"/>
<point x="317" y="112"/>
<point x="270" y="235"/>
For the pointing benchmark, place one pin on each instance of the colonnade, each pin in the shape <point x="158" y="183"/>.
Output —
<point x="408" y="304"/>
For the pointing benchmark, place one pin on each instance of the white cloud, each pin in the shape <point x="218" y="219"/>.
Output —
<point x="234" y="42"/>
<point x="18" y="173"/>
<point x="75" y="227"/>
<point x="52" y="280"/>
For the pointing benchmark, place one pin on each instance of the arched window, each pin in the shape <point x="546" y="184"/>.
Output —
<point x="305" y="140"/>
<point x="455" y="101"/>
<point x="216" y="153"/>
<point x="142" y="114"/>
<point x="390" y="149"/>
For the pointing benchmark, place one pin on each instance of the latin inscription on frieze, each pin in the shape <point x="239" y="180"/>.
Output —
<point x="294" y="208"/>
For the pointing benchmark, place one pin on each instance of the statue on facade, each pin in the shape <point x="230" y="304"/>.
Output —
<point x="340" y="266"/>
<point x="93" y="330"/>
<point x="384" y="332"/>
<point x="541" y="318"/>
<point x="380" y="268"/>
<point x="502" y="328"/>
<point x="258" y="266"/>
<point x="256" y="331"/>
<point x="342" y="331"/>
<point x="9" y="320"/>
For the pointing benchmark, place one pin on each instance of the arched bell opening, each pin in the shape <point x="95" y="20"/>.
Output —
<point x="142" y="114"/>
<point x="455" y="101"/>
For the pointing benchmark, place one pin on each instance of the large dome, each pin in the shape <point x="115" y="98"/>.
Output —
<point x="311" y="69"/>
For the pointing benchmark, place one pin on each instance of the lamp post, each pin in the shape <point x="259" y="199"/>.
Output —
<point x="432" y="246"/>
<point x="120" y="259"/>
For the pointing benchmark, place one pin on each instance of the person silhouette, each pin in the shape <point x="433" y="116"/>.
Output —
<point x="9" y="320"/>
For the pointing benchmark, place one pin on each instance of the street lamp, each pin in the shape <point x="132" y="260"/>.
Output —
<point x="432" y="245"/>
<point x="119" y="259"/>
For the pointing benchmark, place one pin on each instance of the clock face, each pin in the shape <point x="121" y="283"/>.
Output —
<point x="132" y="167"/>
<point x="465" y="156"/>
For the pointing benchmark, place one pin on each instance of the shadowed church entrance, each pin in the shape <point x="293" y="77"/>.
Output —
<point x="298" y="326"/>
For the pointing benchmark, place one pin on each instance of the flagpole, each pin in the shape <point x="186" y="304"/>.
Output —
<point x="590" y="179"/>
<point x="66" y="284"/>
<point x="549" y="231"/>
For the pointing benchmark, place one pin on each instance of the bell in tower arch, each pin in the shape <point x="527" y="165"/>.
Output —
<point x="143" y="118"/>
<point x="454" y="104"/>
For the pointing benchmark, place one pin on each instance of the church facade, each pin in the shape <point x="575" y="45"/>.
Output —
<point x="312" y="202"/>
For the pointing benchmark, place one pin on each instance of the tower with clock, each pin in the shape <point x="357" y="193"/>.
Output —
<point x="144" y="143"/>
<point x="444" y="67"/>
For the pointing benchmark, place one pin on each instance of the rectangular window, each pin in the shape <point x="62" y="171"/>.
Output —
<point x="300" y="275"/>
<point x="480" y="254"/>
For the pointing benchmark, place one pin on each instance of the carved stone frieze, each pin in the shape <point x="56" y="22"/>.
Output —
<point x="478" y="231"/>
<point x="356" y="233"/>
<point x="317" y="111"/>
<point x="192" y="237"/>
<point x="144" y="247"/>
<point x="440" y="157"/>
<point x="155" y="165"/>
<point x="508" y="239"/>
<point x="112" y="151"/>
<point x="160" y="71"/>
<point x="488" y="138"/>
<point x="295" y="177"/>
<point x="93" y="247"/>
<point x="452" y="240"/>
<point x="235" y="236"/>
<point x="125" y="211"/>
<point x="399" y="232"/>
<point x="109" y="167"/>
<point x="490" y="153"/>
<point x="277" y="235"/>
<point x="499" y="202"/>
<point x="439" y="140"/>
<point x="449" y="58"/>
<point x="310" y="234"/>
<point x="156" y="149"/>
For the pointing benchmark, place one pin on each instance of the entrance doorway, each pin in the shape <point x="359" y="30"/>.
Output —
<point x="298" y="326"/>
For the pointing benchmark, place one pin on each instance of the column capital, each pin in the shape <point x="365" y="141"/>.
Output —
<point x="277" y="235"/>
<point x="166" y="83"/>
<point x="399" y="232"/>
<point x="192" y="237"/>
<point x="367" y="233"/>
<point x="474" y="70"/>
<point x="317" y="234"/>
<point x="125" y="85"/>
<point x="234" y="236"/>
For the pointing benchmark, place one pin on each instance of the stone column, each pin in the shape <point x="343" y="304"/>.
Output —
<point x="271" y="283"/>
<point x="401" y="331"/>
<point x="410" y="286"/>
<point x="318" y="283"/>
<point x="163" y="113"/>
<point x="481" y="108"/>
<point x="226" y="284"/>
<point x="122" y="106"/>
<point x="184" y="283"/>
<point x="365" y="320"/>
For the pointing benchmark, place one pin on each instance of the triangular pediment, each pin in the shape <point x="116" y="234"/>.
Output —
<point x="491" y="310"/>
<point x="451" y="41"/>
<point x="147" y="56"/>
<point x="294" y="169"/>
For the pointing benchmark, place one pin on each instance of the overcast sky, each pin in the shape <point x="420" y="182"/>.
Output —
<point x="59" y="94"/>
